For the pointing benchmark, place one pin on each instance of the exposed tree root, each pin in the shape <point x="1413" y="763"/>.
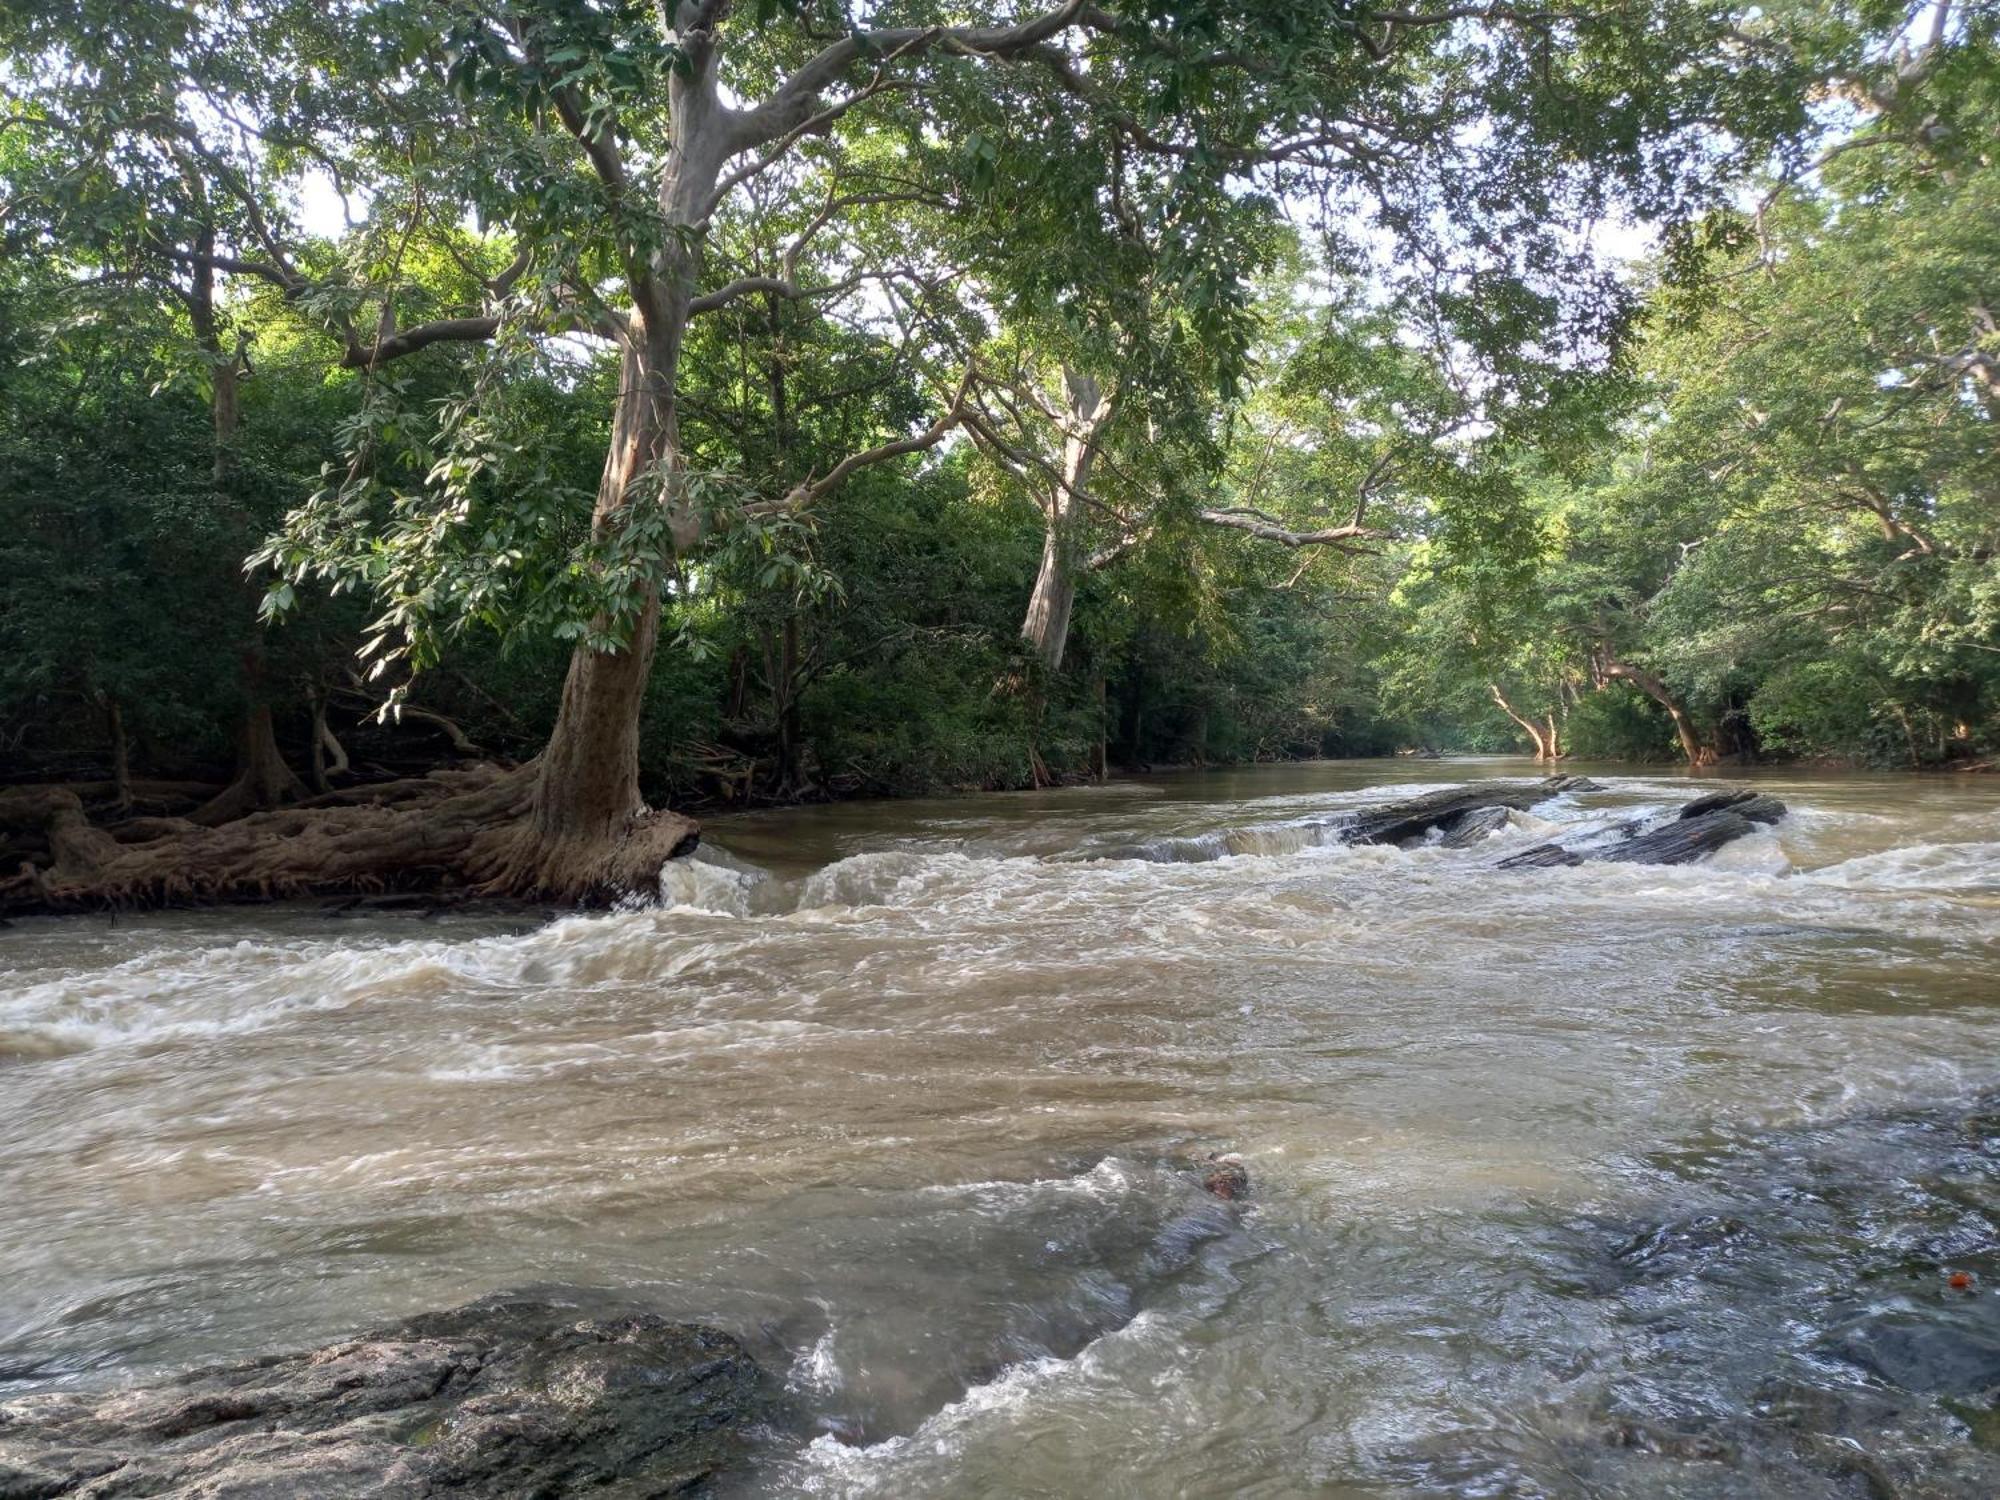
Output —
<point x="262" y="777"/>
<point x="145" y="830"/>
<point x="470" y="831"/>
<point x="170" y="797"/>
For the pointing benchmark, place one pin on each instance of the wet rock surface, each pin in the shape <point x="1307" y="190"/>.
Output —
<point x="1693" y="832"/>
<point x="513" y="1395"/>
<point x="1459" y="815"/>
<point x="1917" y="1353"/>
<point x="1810" y="1319"/>
<point x="1469" y="828"/>
<point x="1224" y="1176"/>
<point x="1412" y="817"/>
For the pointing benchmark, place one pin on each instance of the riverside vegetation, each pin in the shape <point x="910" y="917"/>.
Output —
<point x="446" y="445"/>
<point x="637" y="408"/>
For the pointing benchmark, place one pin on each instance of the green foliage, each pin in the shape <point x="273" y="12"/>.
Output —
<point x="1793" y="527"/>
<point x="1337" y="267"/>
<point x="1619" y="724"/>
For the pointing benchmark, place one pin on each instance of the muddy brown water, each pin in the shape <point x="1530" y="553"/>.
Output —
<point x="1597" y="1181"/>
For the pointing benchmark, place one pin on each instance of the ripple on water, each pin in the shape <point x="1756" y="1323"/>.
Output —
<point x="1602" y="1180"/>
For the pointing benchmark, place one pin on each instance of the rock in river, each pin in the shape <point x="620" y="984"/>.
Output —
<point x="512" y="1395"/>
<point x="1928" y="1350"/>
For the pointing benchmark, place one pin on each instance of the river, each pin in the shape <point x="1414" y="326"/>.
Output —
<point x="1565" y="1182"/>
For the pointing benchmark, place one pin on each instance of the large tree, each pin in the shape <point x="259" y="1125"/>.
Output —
<point x="600" y="151"/>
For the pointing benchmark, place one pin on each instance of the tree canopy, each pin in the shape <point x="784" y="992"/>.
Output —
<point x="864" y="356"/>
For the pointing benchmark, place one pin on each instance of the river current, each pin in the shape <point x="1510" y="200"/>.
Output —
<point x="1599" y="1181"/>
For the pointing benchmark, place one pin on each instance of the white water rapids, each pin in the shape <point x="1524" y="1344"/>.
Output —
<point x="905" y="1094"/>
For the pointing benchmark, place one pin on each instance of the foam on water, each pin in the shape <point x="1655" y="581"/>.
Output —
<point x="1972" y="868"/>
<point x="214" y="992"/>
<point x="236" y="989"/>
<point x="708" y="882"/>
<point x="918" y="1113"/>
<point x="239" y="988"/>
<point x="834" y="1468"/>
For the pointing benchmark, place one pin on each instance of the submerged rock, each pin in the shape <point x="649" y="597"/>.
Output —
<point x="515" y="1395"/>
<point x="1926" y="1350"/>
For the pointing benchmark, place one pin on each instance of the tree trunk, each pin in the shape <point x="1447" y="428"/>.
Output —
<point x="588" y="833"/>
<point x="569" y="826"/>
<point x="1101" y="760"/>
<point x="1545" y="745"/>
<point x="121" y="753"/>
<point x="262" y="778"/>
<point x="586" y="799"/>
<point x="1697" y="753"/>
<point x="781" y="677"/>
<point x="329" y="756"/>
<point x="1087" y="409"/>
<point x="1046" y="627"/>
<point x="1909" y="736"/>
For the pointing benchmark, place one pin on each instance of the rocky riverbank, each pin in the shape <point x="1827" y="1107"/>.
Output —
<point x="519" y="1395"/>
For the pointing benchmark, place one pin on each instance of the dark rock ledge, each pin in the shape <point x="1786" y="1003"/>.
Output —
<point x="513" y="1395"/>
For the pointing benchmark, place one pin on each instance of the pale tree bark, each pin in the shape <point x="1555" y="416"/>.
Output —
<point x="1544" y="740"/>
<point x="1979" y="362"/>
<point x="1086" y="413"/>
<point x="329" y="756"/>
<point x="1068" y="506"/>
<point x="1610" y="669"/>
<point x="1870" y="498"/>
<point x="588" y="830"/>
<point x="586" y="801"/>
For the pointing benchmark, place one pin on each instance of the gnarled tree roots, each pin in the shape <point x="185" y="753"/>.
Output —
<point x="469" y="831"/>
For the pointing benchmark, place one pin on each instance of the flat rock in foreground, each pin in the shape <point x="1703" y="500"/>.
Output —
<point x="513" y="1395"/>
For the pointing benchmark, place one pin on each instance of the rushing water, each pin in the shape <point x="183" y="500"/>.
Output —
<point x="1608" y="1181"/>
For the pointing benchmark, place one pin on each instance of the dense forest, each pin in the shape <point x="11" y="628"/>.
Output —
<point x="718" y="404"/>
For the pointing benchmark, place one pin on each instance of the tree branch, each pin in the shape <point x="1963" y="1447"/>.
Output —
<point x="372" y="356"/>
<point x="796" y="105"/>
<point x="1264" y="528"/>
<point x="805" y="494"/>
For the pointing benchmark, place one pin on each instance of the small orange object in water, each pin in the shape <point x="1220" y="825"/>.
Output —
<point x="1959" y="1281"/>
